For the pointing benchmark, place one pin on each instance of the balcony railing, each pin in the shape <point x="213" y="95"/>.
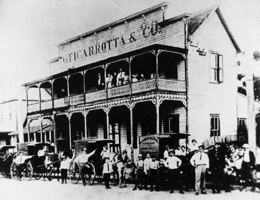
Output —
<point x="143" y="86"/>
<point x="46" y="105"/>
<point x="33" y="107"/>
<point x="58" y="103"/>
<point x="171" y="85"/>
<point x="95" y="96"/>
<point x="118" y="91"/>
<point x="137" y="87"/>
<point x="77" y="99"/>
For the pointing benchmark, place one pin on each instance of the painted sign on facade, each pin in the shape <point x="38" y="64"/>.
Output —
<point x="149" y="144"/>
<point x="121" y="38"/>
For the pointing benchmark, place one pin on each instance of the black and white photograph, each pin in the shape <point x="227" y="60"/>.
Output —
<point x="129" y="99"/>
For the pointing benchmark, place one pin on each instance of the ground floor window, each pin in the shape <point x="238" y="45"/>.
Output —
<point x="214" y="125"/>
<point x="171" y="123"/>
<point x="114" y="134"/>
<point x="25" y="138"/>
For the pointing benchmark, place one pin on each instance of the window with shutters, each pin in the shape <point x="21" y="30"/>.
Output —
<point x="216" y="68"/>
<point x="214" y="125"/>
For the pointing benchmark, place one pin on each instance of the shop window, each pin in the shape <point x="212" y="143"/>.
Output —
<point x="216" y="68"/>
<point x="172" y="123"/>
<point x="38" y="137"/>
<point x="114" y="134"/>
<point x="25" y="137"/>
<point x="214" y="125"/>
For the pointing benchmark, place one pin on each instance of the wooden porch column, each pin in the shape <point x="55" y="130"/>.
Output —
<point x="68" y="85"/>
<point x="85" y="113"/>
<point x="157" y="101"/>
<point x="41" y="127"/>
<point x="69" y="118"/>
<point x="54" y="133"/>
<point x="40" y="97"/>
<point x="131" y="107"/>
<point x="107" y="110"/>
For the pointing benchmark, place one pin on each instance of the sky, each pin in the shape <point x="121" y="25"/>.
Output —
<point x="30" y="30"/>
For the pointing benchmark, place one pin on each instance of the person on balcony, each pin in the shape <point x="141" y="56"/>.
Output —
<point x="114" y="80"/>
<point x="134" y="78"/>
<point x="141" y="77"/>
<point x="126" y="79"/>
<point x="120" y="77"/>
<point x="100" y="82"/>
<point x="109" y="81"/>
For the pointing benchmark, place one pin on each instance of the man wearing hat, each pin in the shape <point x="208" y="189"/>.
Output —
<point x="200" y="161"/>
<point x="248" y="166"/>
<point x="139" y="174"/>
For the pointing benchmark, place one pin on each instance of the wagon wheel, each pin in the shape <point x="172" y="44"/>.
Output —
<point x="90" y="174"/>
<point x="13" y="171"/>
<point x="73" y="173"/>
<point x="38" y="172"/>
<point x="27" y="172"/>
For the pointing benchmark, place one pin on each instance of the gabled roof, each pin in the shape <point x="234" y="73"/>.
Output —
<point x="198" y="19"/>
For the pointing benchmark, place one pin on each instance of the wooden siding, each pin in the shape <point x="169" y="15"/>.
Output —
<point x="182" y="118"/>
<point x="171" y="35"/>
<point x="181" y="71"/>
<point x="205" y="98"/>
<point x="123" y="135"/>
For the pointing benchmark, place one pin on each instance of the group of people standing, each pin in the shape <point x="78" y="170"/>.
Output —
<point x="222" y="164"/>
<point x="122" y="78"/>
<point x="176" y="169"/>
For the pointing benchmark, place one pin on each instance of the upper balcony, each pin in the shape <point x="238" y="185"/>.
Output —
<point x="158" y="70"/>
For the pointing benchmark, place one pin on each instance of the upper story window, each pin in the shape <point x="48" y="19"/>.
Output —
<point x="214" y="125"/>
<point x="216" y="68"/>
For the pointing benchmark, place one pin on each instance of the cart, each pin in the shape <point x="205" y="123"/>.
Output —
<point x="92" y="170"/>
<point x="27" y="164"/>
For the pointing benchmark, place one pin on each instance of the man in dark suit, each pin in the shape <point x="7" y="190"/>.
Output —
<point x="248" y="167"/>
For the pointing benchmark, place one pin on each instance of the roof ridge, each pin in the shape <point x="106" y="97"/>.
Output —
<point x="205" y="10"/>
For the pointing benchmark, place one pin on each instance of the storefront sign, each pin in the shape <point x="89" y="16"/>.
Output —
<point x="149" y="144"/>
<point x="145" y="31"/>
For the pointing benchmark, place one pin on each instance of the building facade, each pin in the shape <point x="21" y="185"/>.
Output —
<point x="12" y="116"/>
<point x="138" y="76"/>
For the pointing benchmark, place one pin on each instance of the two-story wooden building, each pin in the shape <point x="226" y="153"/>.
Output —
<point x="140" y="75"/>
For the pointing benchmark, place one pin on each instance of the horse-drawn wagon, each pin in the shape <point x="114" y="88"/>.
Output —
<point x="91" y="169"/>
<point x="33" y="160"/>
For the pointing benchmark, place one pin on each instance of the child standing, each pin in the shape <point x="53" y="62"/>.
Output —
<point x="107" y="170"/>
<point x="64" y="166"/>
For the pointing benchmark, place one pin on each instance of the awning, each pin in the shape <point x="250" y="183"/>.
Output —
<point x="14" y="133"/>
<point x="33" y="129"/>
<point x="5" y="132"/>
<point x="36" y="129"/>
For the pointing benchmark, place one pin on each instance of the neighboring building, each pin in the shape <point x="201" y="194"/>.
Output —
<point x="12" y="116"/>
<point x="141" y="75"/>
